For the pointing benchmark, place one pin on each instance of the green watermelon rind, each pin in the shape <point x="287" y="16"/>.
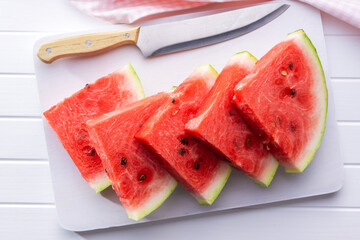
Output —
<point x="154" y="204"/>
<point x="248" y="57"/>
<point x="101" y="182"/>
<point x="266" y="178"/>
<point x="216" y="187"/>
<point x="206" y="69"/>
<point x="312" y="50"/>
<point x="137" y="87"/>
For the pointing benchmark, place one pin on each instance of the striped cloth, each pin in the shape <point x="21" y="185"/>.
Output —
<point x="129" y="11"/>
<point x="346" y="10"/>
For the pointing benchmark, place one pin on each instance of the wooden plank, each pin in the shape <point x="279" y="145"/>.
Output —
<point x="16" y="52"/>
<point x="25" y="182"/>
<point x="349" y="138"/>
<point x="334" y="26"/>
<point x="19" y="96"/>
<point x="22" y="138"/>
<point x="347" y="99"/>
<point x="55" y="15"/>
<point x="343" y="56"/>
<point x="299" y="223"/>
<point x="31" y="222"/>
<point x="347" y="196"/>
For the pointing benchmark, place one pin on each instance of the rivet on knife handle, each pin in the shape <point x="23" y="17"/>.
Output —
<point x="86" y="44"/>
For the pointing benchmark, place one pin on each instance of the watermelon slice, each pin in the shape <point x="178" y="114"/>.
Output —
<point x="198" y="169"/>
<point x="141" y="183"/>
<point x="68" y="118"/>
<point x="284" y="100"/>
<point x="219" y="124"/>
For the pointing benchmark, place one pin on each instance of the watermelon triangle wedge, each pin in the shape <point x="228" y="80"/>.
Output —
<point x="284" y="100"/>
<point x="201" y="171"/>
<point x="68" y="117"/>
<point x="220" y="126"/>
<point x="141" y="183"/>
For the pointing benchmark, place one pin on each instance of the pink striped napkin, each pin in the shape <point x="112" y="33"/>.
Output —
<point x="346" y="10"/>
<point x="129" y="11"/>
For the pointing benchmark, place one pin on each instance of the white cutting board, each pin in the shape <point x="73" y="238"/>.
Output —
<point x="79" y="208"/>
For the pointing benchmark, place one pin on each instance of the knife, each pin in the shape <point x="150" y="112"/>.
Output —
<point x="167" y="37"/>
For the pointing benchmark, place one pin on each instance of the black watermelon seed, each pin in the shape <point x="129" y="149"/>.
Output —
<point x="142" y="177"/>
<point x="87" y="86"/>
<point x="291" y="66"/>
<point x="292" y="92"/>
<point x="123" y="161"/>
<point x="173" y="101"/>
<point x="248" y="142"/>
<point x="90" y="152"/>
<point x="196" y="166"/>
<point x="184" y="141"/>
<point x="231" y="114"/>
<point x="105" y="170"/>
<point x="182" y="151"/>
<point x="292" y="127"/>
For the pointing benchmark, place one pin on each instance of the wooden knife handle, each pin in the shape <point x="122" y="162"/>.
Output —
<point x="86" y="44"/>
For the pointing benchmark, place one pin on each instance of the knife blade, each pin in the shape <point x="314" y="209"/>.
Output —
<point x="167" y="37"/>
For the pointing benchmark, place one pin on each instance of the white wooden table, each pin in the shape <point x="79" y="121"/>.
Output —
<point x="27" y="209"/>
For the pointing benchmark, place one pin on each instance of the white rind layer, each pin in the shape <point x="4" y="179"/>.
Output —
<point x="153" y="202"/>
<point x="269" y="172"/>
<point x="217" y="184"/>
<point x="243" y="59"/>
<point x="100" y="182"/>
<point x="208" y="73"/>
<point x="133" y="80"/>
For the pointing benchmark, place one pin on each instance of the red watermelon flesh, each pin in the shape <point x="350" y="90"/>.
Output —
<point x="68" y="118"/>
<point x="219" y="124"/>
<point x="198" y="169"/>
<point x="141" y="183"/>
<point x="284" y="99"/>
